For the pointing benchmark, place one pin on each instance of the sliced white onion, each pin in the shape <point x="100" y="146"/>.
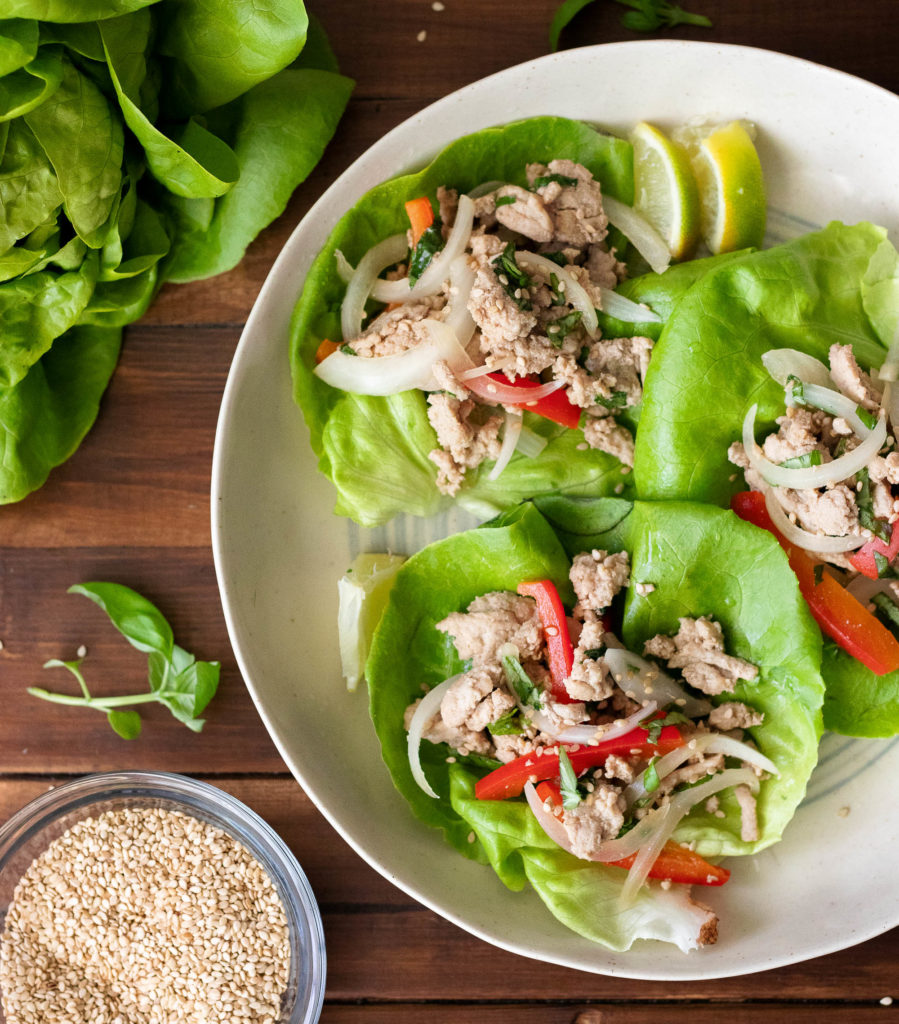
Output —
<point x="345" y="269"/>
<point x="496" y="393"/>
<point x="812" y="476"/>
<point x="484" y="188"/>
<point x="810" y="541"/>
<point x="426" y="710"/>
<point x="546" y="819"/>
<point x="389" y="375"/>
<point x="377" y="259"/>
<point x="573" y="290"/>
<point x="438" y="270"/>
<point x="530" y="443"/>
<point x="782" y="363"/>
<point x="649" y="682"/>
<point x="455" y="313"/>
<point x="644" y="237"/>
<point x="704" y="743"/>
<point x="681" y="804"/>
<point x="889" y="370"/>
<point x="484" y="369"/>
<point x="591" y="735"/>
<point x="837" y="404"/>
<point x="511" y="433"/>
<point x="626" y="309"/>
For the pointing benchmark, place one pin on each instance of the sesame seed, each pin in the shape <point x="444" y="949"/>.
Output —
<point x="843" y="812"/>
<point x="422" y="36"/>
<point x="82" y="651"/>
<point x="886" y="1001"/>
<point x="438" y="6"/>
<point x="170" y="907"/>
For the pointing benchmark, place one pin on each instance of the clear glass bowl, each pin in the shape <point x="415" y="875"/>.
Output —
<point x="30" y="831"/>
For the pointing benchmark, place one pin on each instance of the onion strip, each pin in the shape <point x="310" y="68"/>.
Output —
<point x="573" y="290"/>
<point x="803" y="538"/>
<point x="812" y="476"/>
<point x="783" y="363"/>
<point x="511" y="433"/>
<point x="644" y="237"/>
<point x="623" y="308"/>
<point x="438" y="270"/>
<point x="359" y="287"/>
<point x="495" y="392"/>
<point x="649" y="682"/>
<point x="426" y="710"/>
<point x="591" y="735"/>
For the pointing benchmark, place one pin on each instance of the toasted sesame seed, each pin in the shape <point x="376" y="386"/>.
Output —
<point x="422" y="36"/>
<point x="144" y="914"/>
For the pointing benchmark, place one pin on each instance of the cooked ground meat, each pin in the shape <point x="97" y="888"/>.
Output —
<point x="734" y="715"/>
<point x="463" y="443"/>
<point x="851" y="379"/>
<point x="493" y="620"/>
<point x="697" y="649"/>
<point x="598" y="817"/>
<point x="597" y="577"/>
<point x="608" y="436"/>
<point x="475" y="700"/>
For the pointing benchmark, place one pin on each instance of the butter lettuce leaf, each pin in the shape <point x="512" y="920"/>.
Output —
<point x="702" y="561"/>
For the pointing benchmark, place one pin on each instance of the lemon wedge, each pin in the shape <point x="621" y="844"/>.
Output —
<point x="731" y="186"/>
<point x="665" y="189"/>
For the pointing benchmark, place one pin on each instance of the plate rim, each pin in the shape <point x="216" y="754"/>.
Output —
<point x="287" y="258"/>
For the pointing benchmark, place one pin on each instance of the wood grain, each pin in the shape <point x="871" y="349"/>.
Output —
<point x="133" y="505"/>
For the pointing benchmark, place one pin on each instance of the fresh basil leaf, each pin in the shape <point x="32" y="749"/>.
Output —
<point x="126" y="723"/>
<point x="651" y="777"/>
<point x="571" y="795"/>
<point x="509" y="724"/>
<point x="558" y="258"/>
<point x="521" y="683"/>
<point x="886" y="609"/>
<point x="805" y="461"/>
<point x="505" y="200"/>
<point x="139" y="621"/>
<point x="348" y="350"/>
<point x="560" y="328"/>
<point x="617" y="400"/>
<point x="795" y="389"/>
<point x="514" y="281"/>
<point x="868" y="418"/>
<point x="430" y="243"/>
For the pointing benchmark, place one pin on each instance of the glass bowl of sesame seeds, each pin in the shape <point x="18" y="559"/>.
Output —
<point x="137" y="896"/>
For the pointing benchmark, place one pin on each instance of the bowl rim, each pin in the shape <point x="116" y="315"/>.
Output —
<point x="222" y="810"/>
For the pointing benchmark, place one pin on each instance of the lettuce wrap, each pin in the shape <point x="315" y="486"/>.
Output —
<point x="837" y="285"/>
<point x="375" y="449"/>
<point x="735" y="573"/>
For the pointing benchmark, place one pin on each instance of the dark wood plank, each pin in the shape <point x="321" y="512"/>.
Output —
<point x="555" y="1012"/>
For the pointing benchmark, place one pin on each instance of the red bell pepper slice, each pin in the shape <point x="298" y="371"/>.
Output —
<point x="560" y="651"/>
<point x="675" y="862"/>
<point x="509" y="780"/>
<point x="840" y="615"/>
<point x="556" y="407"/>
<point x="421" y="217"/>
<point x="863" y="560"/>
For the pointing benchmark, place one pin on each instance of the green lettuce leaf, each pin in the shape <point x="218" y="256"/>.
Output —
<point x="835" y="285"/>
<point x="702" y="561"/>
<point x="337" y="421"/>
<point x="706" y="370"/>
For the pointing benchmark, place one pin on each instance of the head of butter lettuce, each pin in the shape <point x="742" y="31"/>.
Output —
<point x="375" y="450"/>
<point x="840" y="284"/>
<point x="737" y="574"/>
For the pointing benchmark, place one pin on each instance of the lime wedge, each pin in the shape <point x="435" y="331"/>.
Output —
<point x="731" y="185"/>
<point x="362" y="597"/>
<point x="666" y="193"/>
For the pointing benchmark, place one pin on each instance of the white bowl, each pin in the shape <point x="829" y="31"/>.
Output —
<point x="830" y="146"/>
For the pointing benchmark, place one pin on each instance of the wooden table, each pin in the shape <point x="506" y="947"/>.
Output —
<point x="133" y="506"/>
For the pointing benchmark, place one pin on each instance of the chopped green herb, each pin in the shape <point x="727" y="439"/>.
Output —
<point x="521" y="683"/>
<point x="654" y="728"/>
<point x="558" y="296"/>
<point x="509" y="724"/>
<point x="818" y="572"/>
<point x="651" y="777"/>
<point x="478" y="761"/>
<point x="557" y="257"/>
<point x="882" y="563"/>
<point x="594" y="653"/>
<point x="505" y="200"/>
<point x="430" y="243"/>
<point x="515" y="282"/>
<point x="548" y="179"/>
<point x="348" y="350"/>
<point x="803" y="461"/>
<point x="840" y="448"/>
<point x="571" y="794"/>
<point x="868" y="418"/>
<point x="795" y="389"/>
<point x="629" y="823"/>
<point x="886" y="610"/>
<point x="865" y="502"/>
<point x="617" y="400"/>
<point x="559" y="329"/>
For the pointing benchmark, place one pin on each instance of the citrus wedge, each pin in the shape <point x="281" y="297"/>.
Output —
<point x="665" y="189"/>
<point x="731" y="187"/>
